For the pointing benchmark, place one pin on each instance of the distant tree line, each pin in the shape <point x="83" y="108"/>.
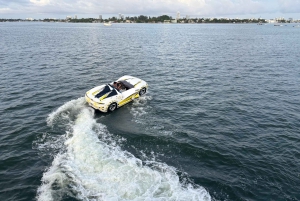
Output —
<point x="224" y="20"/>
<point x="163" y="18"/>
<point x="148" y="19"/>
<point x="82" y="20"/>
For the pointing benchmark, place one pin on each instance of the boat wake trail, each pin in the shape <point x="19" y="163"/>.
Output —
<point x="89" y="164"/>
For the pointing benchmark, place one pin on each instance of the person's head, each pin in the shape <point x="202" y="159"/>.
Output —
<point x="119" y="86"/>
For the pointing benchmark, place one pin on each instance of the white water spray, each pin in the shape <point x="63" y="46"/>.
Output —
<point x="93" y="167"/>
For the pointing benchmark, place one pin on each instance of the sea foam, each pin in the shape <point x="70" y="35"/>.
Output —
<point x="94" y="167"/>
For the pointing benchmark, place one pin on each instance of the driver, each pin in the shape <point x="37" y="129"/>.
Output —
<point x="118" y="85"/>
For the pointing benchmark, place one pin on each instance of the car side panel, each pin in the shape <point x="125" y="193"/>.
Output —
<point x="128" y="96"/>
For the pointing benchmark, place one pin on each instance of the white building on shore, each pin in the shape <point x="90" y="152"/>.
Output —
<point x="178" y="15"/>
<point x="271" y="21"/>
<point x="121" y="16"/>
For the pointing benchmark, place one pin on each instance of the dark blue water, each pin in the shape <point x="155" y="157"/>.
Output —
<point x="220" y="121"/>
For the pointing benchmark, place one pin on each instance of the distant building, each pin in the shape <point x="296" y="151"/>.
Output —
<point x="29" y="19"/>
<point x="178" y="15"/>
<point x="121" y="17"/>
<point x="271" y="21"/>
<point x="100" y="17"/>
<point x="187" y="17"/>
<point x="68" y="17"/>
<point x="291" y="19"/>
<point x="174" y="21"/>
<point x="279" y="19"/>
<point x="75" y="17"/>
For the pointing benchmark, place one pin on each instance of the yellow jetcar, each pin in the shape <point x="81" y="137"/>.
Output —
<point x="109" y="97"/>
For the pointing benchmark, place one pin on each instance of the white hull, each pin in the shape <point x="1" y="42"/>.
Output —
<point x="107" y="24"/>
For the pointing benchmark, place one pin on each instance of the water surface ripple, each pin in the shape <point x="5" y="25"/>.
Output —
<point x="220" y="121"/>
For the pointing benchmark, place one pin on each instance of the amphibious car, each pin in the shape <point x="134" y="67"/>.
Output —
<point x="109" y="97"/>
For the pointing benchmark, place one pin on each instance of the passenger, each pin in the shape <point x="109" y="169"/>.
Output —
<point x="122" y="89"/>
<point x="117" y="85"/>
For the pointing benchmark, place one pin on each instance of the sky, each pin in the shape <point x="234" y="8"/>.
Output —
<point x="59" y="9"/>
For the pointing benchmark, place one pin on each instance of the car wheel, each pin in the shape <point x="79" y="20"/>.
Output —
<point x="112" y="107"/>
<point x="142" y="91"/>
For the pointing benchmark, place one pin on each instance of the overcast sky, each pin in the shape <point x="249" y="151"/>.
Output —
<point x="40" y="9"/>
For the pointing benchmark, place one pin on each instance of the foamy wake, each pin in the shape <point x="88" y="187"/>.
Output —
<point x="139" y="108"/>
<point x="93" y="167"/>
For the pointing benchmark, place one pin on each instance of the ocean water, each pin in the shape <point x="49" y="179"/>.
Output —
<point x="220" y="121"/>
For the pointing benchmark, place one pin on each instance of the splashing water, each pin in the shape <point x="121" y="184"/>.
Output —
<point x="93" y="166"/>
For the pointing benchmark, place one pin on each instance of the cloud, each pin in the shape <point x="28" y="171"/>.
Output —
<point x="40" y="2"/>
<point x="4" y="10"/>
<point x="150" y="7"/>
<point x="289" y="6"/>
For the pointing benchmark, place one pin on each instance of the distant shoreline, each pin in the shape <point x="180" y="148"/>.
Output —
<point x="265" y="23"/>
<point x="164" y="19"/>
